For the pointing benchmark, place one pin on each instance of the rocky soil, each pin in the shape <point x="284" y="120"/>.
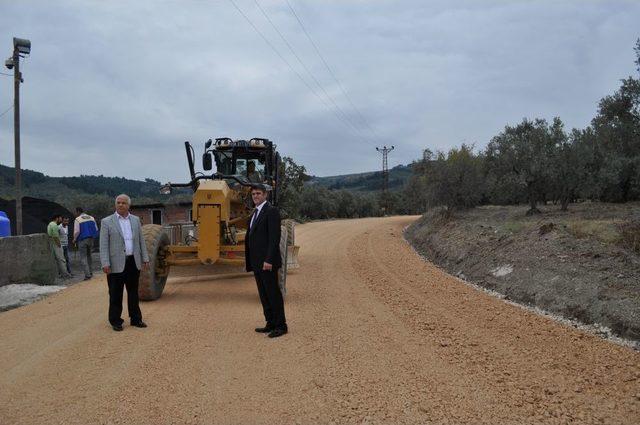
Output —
<point x="576" y="263"/>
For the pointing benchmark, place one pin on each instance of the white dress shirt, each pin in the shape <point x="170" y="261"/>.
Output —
<point x="257" y="213"/>
<point x="125" y="226"/>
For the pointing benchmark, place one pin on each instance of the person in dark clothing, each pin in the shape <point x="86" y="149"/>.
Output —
<point x="262" y="255"/>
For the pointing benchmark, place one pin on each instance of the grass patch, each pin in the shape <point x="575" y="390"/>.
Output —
<point x="606" y="231"/>
<point x="630" y="235"/>
<point x="513" y="226"/>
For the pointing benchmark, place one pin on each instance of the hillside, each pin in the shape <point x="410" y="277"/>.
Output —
<point x="34" y="181"/>
<point x="365" y="182"/>
<point x="40" y="185"/>
<point x="94" y="193"/>
<point x="582" y="264"/>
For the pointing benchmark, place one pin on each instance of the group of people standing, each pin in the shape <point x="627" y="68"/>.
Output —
<point x="85" y="231"/>
<point x="123" y="254"/>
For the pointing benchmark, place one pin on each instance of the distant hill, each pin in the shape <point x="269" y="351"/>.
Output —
<point x="365" y="182"/>
<point x="94" y="193"/>
<point x="111" y="186"/>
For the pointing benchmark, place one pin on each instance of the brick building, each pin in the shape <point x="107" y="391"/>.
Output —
<point x="163" y="214"/>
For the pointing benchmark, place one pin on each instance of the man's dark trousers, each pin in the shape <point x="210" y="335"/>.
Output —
<point x="117" y="282"/>
<point x="65" y="251"/>
<point x="271" y="298"/>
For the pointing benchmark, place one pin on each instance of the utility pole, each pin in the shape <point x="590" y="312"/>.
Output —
<point x="16" y="134"/>
<point x="385" y="175"/>
<point x="20" y="46"/>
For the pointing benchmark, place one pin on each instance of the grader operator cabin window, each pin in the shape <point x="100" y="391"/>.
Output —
<point x="224" y="162"/>
<point x="241" y="167"/>
<point x="251" y="169"/>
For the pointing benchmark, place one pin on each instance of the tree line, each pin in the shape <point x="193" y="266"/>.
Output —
<point x="302" y="201"/>
<point x="110" y="186"/>
<point x="536" y="161"/>
<point x="532" y="162"/>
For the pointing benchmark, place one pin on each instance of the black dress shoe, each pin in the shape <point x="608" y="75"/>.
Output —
<point x="277" y="332"/>
<point x="264" y="330"/>
<point x="117" y="327"/>
<point x="139" y="324"/>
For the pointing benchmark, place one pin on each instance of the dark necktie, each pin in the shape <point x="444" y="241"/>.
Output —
<point x="254" y="216"/>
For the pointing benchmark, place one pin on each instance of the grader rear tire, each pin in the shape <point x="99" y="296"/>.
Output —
<point x="151" y="284"/>
<point x="282" y="271"/>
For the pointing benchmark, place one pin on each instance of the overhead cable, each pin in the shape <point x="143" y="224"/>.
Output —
<point x="6" y="110"/>
<point x="306" y="68"/>
<point x="344" y="92"/>
<point x="266" y="40"/>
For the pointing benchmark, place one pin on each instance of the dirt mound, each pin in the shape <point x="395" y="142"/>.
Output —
<point x="36" y="214"/>
<point x="576" y="264"/>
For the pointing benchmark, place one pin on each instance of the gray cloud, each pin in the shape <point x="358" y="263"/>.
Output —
<point x="115" y="87"/>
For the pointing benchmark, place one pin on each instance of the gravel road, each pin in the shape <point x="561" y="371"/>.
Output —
<point x="376" y="335"/>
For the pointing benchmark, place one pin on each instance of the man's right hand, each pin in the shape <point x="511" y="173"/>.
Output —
<point x="106" y="269"/>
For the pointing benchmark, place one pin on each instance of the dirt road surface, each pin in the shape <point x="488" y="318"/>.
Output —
<point x="377" y="335"/>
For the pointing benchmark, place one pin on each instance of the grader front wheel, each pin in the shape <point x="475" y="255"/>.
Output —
<point x="152" y="281"/>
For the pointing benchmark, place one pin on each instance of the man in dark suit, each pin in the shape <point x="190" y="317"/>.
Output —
<point x="262" y="255"/>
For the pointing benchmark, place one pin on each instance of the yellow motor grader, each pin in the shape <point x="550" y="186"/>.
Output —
<point x="221" y="210"/>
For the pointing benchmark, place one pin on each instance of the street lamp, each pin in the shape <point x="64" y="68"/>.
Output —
<point x="21" y="48"/>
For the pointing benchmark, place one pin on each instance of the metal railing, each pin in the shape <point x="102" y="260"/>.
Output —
<point x="179" y="233"/>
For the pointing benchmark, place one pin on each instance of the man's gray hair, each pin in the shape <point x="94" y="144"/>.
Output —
<point x="125" y="196"/>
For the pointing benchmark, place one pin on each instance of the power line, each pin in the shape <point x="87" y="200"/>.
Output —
<point x="288" y="64"/>
<point x="306" y="68"/>
<point x="344" y="92"/>
<point x="7" y="110"/>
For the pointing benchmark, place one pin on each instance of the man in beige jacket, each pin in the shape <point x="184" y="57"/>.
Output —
<point x="123" y="253"/>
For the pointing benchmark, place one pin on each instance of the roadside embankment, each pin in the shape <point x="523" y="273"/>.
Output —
<point x="579" y="264"/>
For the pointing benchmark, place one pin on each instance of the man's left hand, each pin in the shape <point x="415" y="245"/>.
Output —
<point x="145" y="266"/>
<point x="267" y="266"/>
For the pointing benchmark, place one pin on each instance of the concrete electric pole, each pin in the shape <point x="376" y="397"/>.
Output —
<point x="20" y="47"/>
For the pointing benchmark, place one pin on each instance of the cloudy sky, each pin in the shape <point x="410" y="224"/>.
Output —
<point x="115" y="87"/>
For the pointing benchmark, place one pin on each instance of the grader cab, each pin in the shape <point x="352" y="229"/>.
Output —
<point x="221" y="210"/>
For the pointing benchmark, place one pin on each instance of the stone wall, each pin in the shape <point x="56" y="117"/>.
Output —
<point x="27" y="259"/>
